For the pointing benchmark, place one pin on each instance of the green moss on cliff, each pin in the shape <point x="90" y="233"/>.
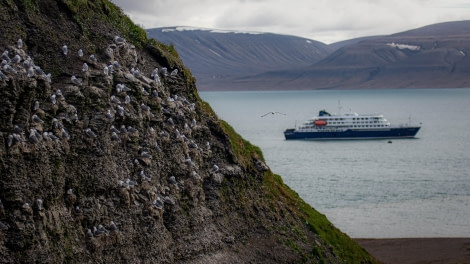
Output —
<point x="275" y="189"/>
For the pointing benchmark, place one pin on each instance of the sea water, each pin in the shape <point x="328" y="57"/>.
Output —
<point x="368" y="188"/>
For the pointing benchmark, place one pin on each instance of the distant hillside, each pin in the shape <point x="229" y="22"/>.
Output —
<point x="215" y="56"/>
<point x="428" y="57"/>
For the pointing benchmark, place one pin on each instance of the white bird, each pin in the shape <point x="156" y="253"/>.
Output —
<point x="115" y="137"/>
<point x="65" y="50"/>
<point x="93" y="58"/>
<point x="80" y="53"/>
<point x="53" y="99"/>
<point x="272" y="113"/>
<point x="154" y="73"/>
<point x="114" y="129"/>
<point x="65" y="134"/>
<point x="215" y="168"/>
<point x="90" y="133"/>
<point x="19" y="43"/>
<point x="119" y="40"/>
<point x="106" y="70"/>
<point x="36" y="106"/>
<point x="16" y="59"/>
<point x="174" y="72"/>
<point x="115" y="100"/>
<point x="76" y="81"/>
<point x="36" y="119"/>
<point x="127" y="99"/>
<point x="85" y="67"/>
<point x="5" y="56"/>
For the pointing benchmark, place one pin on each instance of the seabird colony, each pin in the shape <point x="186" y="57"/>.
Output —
<point x="46" y="128"/>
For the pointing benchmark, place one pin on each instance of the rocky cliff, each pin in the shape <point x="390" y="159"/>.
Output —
<point x="109" y="156"/>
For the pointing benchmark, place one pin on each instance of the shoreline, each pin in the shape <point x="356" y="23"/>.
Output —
<point x="418" y="250"/>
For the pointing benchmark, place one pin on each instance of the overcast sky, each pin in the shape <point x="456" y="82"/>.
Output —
<point x="327" y="21"/>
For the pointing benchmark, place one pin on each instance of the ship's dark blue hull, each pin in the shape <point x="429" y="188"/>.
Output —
<point x="402" y="132"/>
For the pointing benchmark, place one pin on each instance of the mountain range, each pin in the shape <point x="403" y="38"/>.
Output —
<point x="434" y="56"/>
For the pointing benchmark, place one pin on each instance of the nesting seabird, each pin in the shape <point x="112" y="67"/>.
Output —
<point x="215" y="168"/>
<point x="154" y="93"/>
<point x="170" y="121"/>
<point x="164" y="134"/>
<point x="115" y="100"/>
<point x="89" y="233"/>
<point x="3" y="76"/>
<point x="109" y="114"/>
<point x="113" y="226"/>
<point x="80" y="53"/>
<point x="53" y="137"/>
<point x="16" y="59"/>
<point x="36" y="106"/>
<point x="116" y="65"/>
<point x="132" y="130"/>
<point x="28" y="63"/>
<point x="5" y="56"/>
<point x="123" y="129"/>
<point x="65" y="50"/>
<point x="164" y="71"/>
<point x="105" y="70"/>
<point x="90" y="133"/>
<point x="113" y="129"/>
<point x="76" y="81"/>
<point x="32" y="136"/>
<point x="154" y="73"/>
<point x="208" y="145"/>
<point x="119" y="40"/>
<point x="145" y="155"/>
<point x="65" y="134"/>
<point x="85" y="67"/>
<point x="144" y="92"/>
<point x="174" y="72"/>
<point x="7" y="68"/>
<point x="172" y="180"/>
<point x="38" y="204"/>
<point x="53" y="99"/>
<point x="55" y="123"/>
<point x="36" y="119"/>
<point x="19" y="43"/>
<point x="115" y="137"/>
<point x="127" y="99"/>
<point x="144" y="107"/>
<point x="93" y="58"/>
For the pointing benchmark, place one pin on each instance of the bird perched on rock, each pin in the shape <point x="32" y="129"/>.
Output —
<point x="93" y="58"/>
<point x="36" y="119"/>
<point x="215" y="168"/>
<point x="115" y="137"/>
<point x="76" y="81"/>
<point x="174" y="72"/>
<point x="19" y="43"/>
<point x="90" y="133"/>
<point x="85" y="67"/>
<point x="65" y="50"/>
<point x="80" y="53"/>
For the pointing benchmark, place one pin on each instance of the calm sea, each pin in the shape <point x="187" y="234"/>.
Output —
<point x="368" y="188"/>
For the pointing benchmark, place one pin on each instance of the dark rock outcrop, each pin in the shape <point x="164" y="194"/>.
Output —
<point x="109" y="156"/>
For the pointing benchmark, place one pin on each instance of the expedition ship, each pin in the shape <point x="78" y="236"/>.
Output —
<point x="350" y="126"/>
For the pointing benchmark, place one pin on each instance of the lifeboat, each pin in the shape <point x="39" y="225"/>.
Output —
<point x="320" y="122"/>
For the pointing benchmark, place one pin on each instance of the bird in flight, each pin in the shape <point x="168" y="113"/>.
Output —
<point x="272" y="113"/>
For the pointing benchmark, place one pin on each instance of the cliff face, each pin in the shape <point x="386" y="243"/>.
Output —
<point x="108" y="155"/>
